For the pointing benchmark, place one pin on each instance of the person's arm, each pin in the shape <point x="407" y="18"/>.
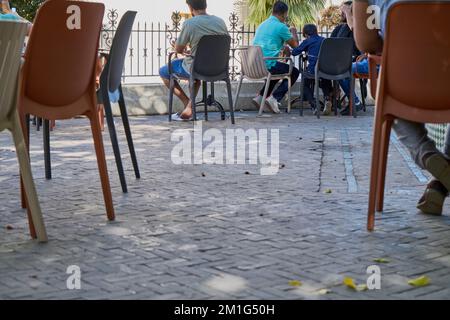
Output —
<point x="293" y="42"/>
<point x="367" y="39"/>
<point x="183" y="40"/>
<point x="302" y="47"/>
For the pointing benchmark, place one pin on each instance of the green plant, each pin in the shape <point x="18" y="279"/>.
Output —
<point x="300" y="11"/>
<point x="26" y="8"/>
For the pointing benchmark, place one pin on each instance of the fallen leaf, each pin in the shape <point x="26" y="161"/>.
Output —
<point x="282" y="166"/>
<point x="328" y="191"/>
<point x="349" y="282"/>
<point x="295" y="283"/>
<point x="247" y="173"/>
<point x="203" y="174"/>
<point x="9" y="227"/>
<point x="381" y="260"/>
<point x="419" y="282"/>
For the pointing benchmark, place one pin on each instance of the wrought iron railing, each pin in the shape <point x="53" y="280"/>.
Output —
<point x="150" y="43"/>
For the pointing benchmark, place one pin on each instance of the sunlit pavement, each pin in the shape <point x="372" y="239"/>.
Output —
<point x="221" y="231"/>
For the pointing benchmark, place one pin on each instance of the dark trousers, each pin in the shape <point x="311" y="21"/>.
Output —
<point x="326" y="85"/>
<point x="281" y="68"/>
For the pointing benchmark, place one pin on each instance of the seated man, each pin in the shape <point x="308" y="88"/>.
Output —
<point x="413" y="135"/>
<point x="345" y="30"/>
<point x="271" y="36"/>
<point x="311" y="45"/>
<point x="193" y="30"/>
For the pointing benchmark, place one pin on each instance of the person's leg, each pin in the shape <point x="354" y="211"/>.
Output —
<point x="283" y="88"/>
<point x="177" y="67"/>
<point x="414" y="136"/>
<point x="308" y="92"/>
<point x="357" y="67"/>
<point x="278" y="68"/>
<point x="424" y="152"/>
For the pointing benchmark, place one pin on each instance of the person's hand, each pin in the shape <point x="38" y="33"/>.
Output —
<point x="286" y="52"/>
<point x="293" y="30"/>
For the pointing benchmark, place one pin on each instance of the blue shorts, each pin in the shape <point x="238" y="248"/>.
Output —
<point x="177" y="68"/>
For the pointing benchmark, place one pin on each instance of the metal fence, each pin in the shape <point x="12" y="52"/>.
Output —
<point x="151" y="43"/>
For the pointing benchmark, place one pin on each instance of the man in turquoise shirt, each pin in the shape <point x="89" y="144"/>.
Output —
<point x="271" y="36"/>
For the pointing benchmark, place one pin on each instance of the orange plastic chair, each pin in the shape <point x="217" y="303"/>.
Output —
<point x="414" y="80"/>
<point x="58" y="76"/>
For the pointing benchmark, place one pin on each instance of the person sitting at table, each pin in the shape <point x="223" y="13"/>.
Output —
<point x="271" y="36"/>
<point x="345" y="30"/>
<point x="201" y="24"/>
<point x="311" y="45"/>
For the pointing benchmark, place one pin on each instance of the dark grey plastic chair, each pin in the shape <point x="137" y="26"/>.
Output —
<point x="334" y="63"/>
<point x="211" y="64"/>
<point x="110" y="85"/>
<point x="110" y="88"/>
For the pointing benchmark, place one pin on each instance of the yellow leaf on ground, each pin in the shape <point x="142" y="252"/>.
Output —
<point x="419" y="282"/>
<point x="328" y="191"/>
<point x="349" y="282"/>
<point x="381" y="260"/>
<point x="295" y="283"/>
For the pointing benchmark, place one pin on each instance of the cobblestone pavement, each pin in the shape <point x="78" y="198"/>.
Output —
<point x="216" y="231"/>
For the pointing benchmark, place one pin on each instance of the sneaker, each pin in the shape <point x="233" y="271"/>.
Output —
<point x="273" y="104"/>
<point x="327" y="108"/>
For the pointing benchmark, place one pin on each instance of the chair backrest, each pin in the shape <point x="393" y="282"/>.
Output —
<point x="116" y="61"/>
<point x="12" y="35"/>
<point x="212" y="58"/>
<point x="416" y="56"/>
<point x="253" y="65"/>
<point x="60" y="61"/>
<point x="335" y="57"/>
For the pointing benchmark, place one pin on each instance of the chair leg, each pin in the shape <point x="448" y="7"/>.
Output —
<point x="317" y="97"/>
<point x="192" y="97"/>
<point x="351" y="99"/>
<point x="230" y="100"/>
<point x="384" y="151"/>
<point x="238" y="92"/>
<point x="374" y="171"/>
<point x="47" y="157"/>
<point x="264" y="98"/>
<point x="37" y="226"/>
<point x="102" y="166"/>
<point x="171" y="92"/>
<point x="25" y="122"/>
<point x="126" y="126"/>
<point x="363" y="86"/>
<point x="302" y="93"/>
<point x="289" y="95"/>
<point x="205" y="97"/>
<point x="114" y="142"/>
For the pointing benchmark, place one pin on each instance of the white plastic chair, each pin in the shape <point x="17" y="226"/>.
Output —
<point x="253" y="65"/>
<point x="12" y="35"/>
